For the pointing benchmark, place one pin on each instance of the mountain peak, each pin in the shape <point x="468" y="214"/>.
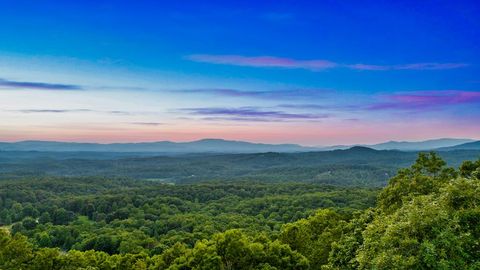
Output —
<point x="358" y="148"/>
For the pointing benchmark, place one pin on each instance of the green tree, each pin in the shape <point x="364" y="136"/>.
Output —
<point x="416" y="227"/>
<point x="313" y="237"/>
<point x="470" y="169"/>
<point x="15" y="252"/>
<point x="426" y="176"/>
<point x="45" y="218"/>
<point x="29" y="223"/>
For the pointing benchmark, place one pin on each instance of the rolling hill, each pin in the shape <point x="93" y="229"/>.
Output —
<point x="357" y="166"/>
<point x="409" y="146"/>
<point x="464" y="146"/>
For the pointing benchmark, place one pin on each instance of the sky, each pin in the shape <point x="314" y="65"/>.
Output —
<point x="306" y="72"/>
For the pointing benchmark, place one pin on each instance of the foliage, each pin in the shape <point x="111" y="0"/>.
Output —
<point x="358" y="166"/>
<point x="125" y="216"/>
<point x="428" y="217"/>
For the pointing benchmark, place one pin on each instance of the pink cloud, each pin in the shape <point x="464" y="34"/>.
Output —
<point x="367" y="67"/>
<point x="422" y="100"/>
<point x="262" y="61"/>
<point x="314" y="64"/>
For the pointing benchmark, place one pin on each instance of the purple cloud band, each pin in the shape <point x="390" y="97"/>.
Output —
<point x="313" y="65"/>
<point x="71" y="111"/>
<point x="422" y="100"/>
<point x="53" y="110"/>
<point x="38" y="85"/>
<point x="265" y="94"/>
<point x="250" y="113"/>
<point x="147" y="123"/>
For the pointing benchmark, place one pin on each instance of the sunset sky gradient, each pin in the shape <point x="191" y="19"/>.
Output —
<point x="331" y="72"/>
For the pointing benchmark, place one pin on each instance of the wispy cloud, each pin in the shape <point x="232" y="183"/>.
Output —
<point x="129" y="88"/>
<point x="303" y="106"/>
<point x="262" y="61"/>
<point x="430" y="66"/>
<point x="313" y="65"/>
<point x="242" y="119"/>
<point x="352" y="119"/>
<point x="119" y="112"/>
<point x="367" y="67"/>
<point x="52" y="111"/>
<point x="38" y="85"/>
<point x="326" y="107"/>
<point x="250" y="114"/>
<point x="147" y="123"/>
<point x="425" y="100"/>
<point x="71" y="111"/>
<point x="265" y="94"/>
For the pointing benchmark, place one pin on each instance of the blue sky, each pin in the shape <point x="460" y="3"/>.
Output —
<point x="332" y="71"/>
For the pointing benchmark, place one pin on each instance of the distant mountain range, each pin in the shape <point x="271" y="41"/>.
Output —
<point x="201" y="146"/>
<point x="464" y="146"/>
<point x="225" y="146"/>
<point x="435" y="144"/>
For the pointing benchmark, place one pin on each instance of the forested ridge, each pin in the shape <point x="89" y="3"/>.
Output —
<point x="357" y="166"/>
<point x="427" y="217"/>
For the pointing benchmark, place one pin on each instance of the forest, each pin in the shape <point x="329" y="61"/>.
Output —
<point x="357" y="166"/>
<point x="427" y="217"/>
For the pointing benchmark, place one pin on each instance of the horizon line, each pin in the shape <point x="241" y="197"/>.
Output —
<point x="245" y="141"/>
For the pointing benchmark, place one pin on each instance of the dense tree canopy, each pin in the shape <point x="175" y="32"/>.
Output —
<point x="358" y="166"/>
<point x="428" y="217"/>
